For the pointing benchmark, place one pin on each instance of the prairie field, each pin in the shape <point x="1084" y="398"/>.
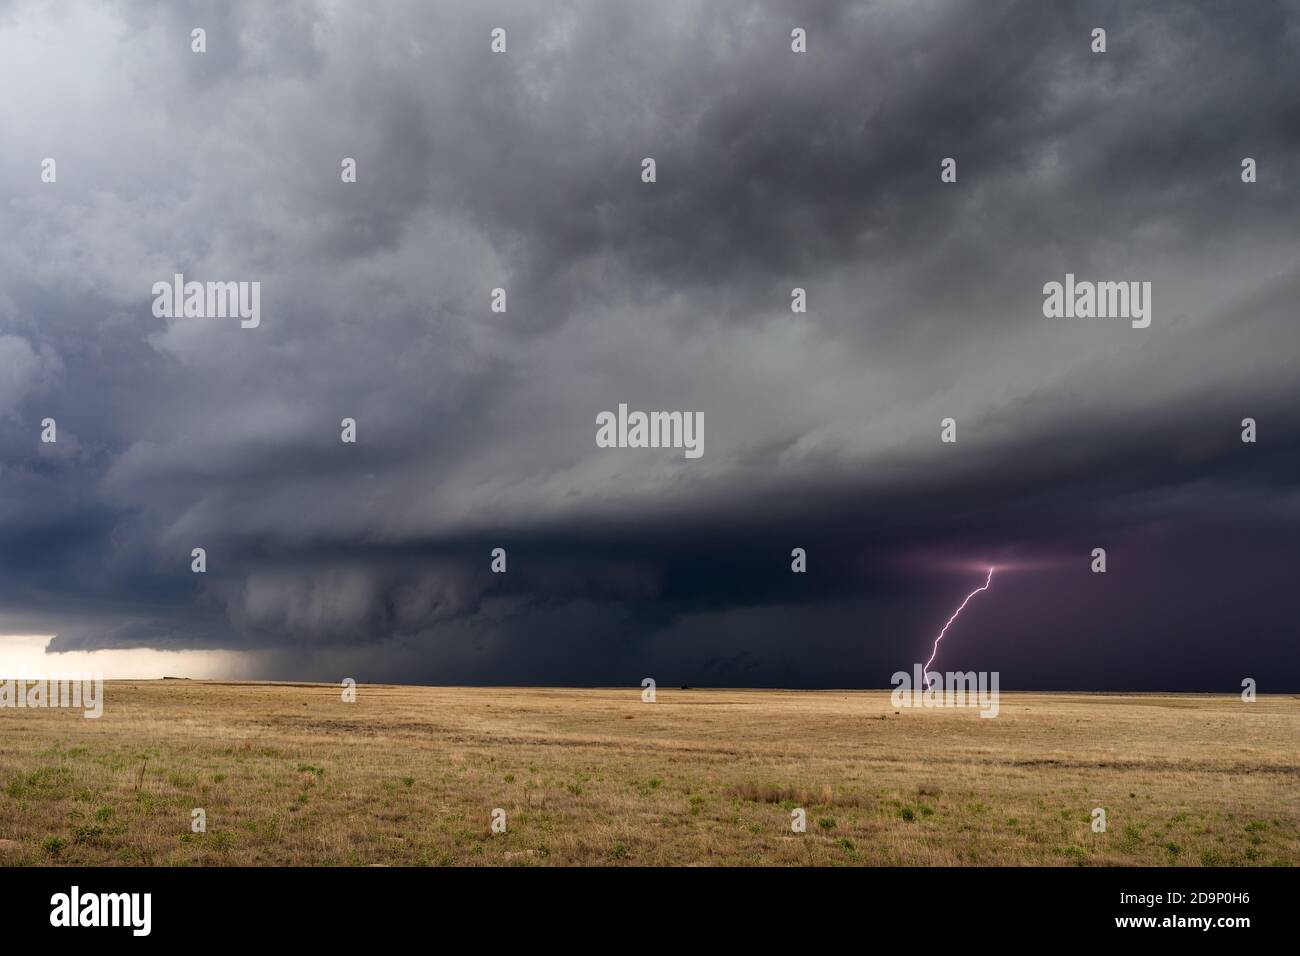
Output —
<point x="290" y="774"/>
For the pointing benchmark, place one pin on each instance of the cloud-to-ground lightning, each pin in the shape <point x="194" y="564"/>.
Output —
<point x="933" y="653"/>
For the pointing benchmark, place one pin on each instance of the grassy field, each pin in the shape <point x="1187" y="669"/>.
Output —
<point x="290" y="774"/>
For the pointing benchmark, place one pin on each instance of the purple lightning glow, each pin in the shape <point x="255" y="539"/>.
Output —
<point x="926" y="669"/>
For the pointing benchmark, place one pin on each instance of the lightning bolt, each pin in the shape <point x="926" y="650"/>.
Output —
<point x="926" y="669"/>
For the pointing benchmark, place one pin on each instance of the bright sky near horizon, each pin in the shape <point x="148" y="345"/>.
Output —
<point x="24" y="656"/>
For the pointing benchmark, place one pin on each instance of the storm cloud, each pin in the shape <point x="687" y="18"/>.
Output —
<point x="476" y="430"/>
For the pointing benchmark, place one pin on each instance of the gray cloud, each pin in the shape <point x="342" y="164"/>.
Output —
<point x="476" y="430"/>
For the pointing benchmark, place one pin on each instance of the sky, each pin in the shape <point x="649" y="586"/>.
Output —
<point x="476" y="429"/>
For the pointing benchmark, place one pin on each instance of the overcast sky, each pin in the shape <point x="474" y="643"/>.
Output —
<point x="477" y="430"/>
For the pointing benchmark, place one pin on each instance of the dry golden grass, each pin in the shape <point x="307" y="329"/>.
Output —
<point x="289" y="774"/>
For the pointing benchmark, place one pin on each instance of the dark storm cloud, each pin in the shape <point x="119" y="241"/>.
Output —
<point x="476" y="430"/>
